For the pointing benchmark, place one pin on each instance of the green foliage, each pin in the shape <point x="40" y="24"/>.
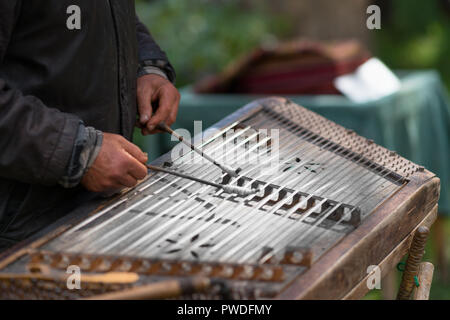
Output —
<point x="203" y="36"/>
<point x="417" y="35"/>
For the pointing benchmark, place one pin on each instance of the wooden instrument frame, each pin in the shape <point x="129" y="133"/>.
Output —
<point x="382" y="239"/>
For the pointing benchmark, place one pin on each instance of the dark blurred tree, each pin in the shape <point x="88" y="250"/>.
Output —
<point x="325" y="19"/>
<point x="415" y="34"/>
<point x="203" y="36"/>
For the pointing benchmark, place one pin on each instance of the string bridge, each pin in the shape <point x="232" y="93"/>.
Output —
<point x="294" y="203"/>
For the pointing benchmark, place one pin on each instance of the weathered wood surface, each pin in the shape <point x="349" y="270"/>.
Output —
<point x="389" y="285"/>
<point x="344" y="266"/>
<point x="159" y="290"/>
<point x="412" y="265"/>
<point x="389" y="263"/>
<point x="425" y="278"/>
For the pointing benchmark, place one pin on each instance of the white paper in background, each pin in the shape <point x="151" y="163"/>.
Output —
<point x="372" y="80"/>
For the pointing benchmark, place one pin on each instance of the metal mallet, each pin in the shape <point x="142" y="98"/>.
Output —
<point x="241" y="191"/>
<point x="227" y="169"/>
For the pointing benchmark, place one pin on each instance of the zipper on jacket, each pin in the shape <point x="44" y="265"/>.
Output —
<point x="116" y="38"/>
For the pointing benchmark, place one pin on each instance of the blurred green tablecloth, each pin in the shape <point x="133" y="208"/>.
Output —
<point x="415" y="121"/>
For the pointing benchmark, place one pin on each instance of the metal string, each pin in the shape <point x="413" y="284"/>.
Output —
<point x="194" y="205"/>
<point x="160" y="190"/>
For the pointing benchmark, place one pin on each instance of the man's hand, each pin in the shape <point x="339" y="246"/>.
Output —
<point x="119" y="164"/>
<point x="157" y="101"/>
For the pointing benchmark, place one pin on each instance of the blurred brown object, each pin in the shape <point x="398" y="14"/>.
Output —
<point x="298" y="67"/>
<point x="323" y="20"/>
<point x="446" y="5"/>
<point x="158" y="290"/>
<point x="440" y="248"/>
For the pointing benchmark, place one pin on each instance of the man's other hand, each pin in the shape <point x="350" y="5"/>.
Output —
<point x="157" y="101"/>
<point x="119" y="164"/>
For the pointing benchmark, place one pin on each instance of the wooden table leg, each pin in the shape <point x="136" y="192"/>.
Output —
<point x="390" y="261"/>
<point x="389" y="285"/>
<point x="415" y="255"/>
<point x="422" y="292"/>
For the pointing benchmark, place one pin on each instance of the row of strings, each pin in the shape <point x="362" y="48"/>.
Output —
<point x="262" y="227"/>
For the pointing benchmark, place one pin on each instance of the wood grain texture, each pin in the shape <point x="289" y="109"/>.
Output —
<point x="159" y="290"/>
<point x="389" y="263"/>
<point x="425" y="276"/>
<point x="344" y="266"/>
<point x="340" y="272"/>
<point x="412" y="265"/>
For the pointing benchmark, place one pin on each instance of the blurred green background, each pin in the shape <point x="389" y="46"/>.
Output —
<point x="202" y="36"/>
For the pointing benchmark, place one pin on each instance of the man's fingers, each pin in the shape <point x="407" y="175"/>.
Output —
<point x="145" y="131"/>
<point x="128" y="181"/>
<point x="134" y="151"/>
<point x="136" y="167"/>
<point x="119" y="164"/>
<point x="138" y="170"/>
<point x="138" y="124"/>
<point x="166" y="101"/>
<point x="173" y="114"/>
<point x="144" y="106"/>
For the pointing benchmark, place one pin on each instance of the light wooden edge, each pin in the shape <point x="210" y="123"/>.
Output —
<point x="324" y="279"/>
<point x="426" y="270"/>
<point x="389" y="263"/>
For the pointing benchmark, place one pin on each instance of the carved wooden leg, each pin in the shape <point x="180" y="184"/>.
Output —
<point x="389" y="285"/>
<point x="415" y="255"/>
<point x="425" y="278"/>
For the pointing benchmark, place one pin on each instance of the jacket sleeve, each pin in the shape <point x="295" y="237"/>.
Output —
<point x="150" y="54"/>
<point x="36" y="141"/>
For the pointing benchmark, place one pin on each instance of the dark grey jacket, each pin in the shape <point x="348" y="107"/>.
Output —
<point x="51" y="78"/>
